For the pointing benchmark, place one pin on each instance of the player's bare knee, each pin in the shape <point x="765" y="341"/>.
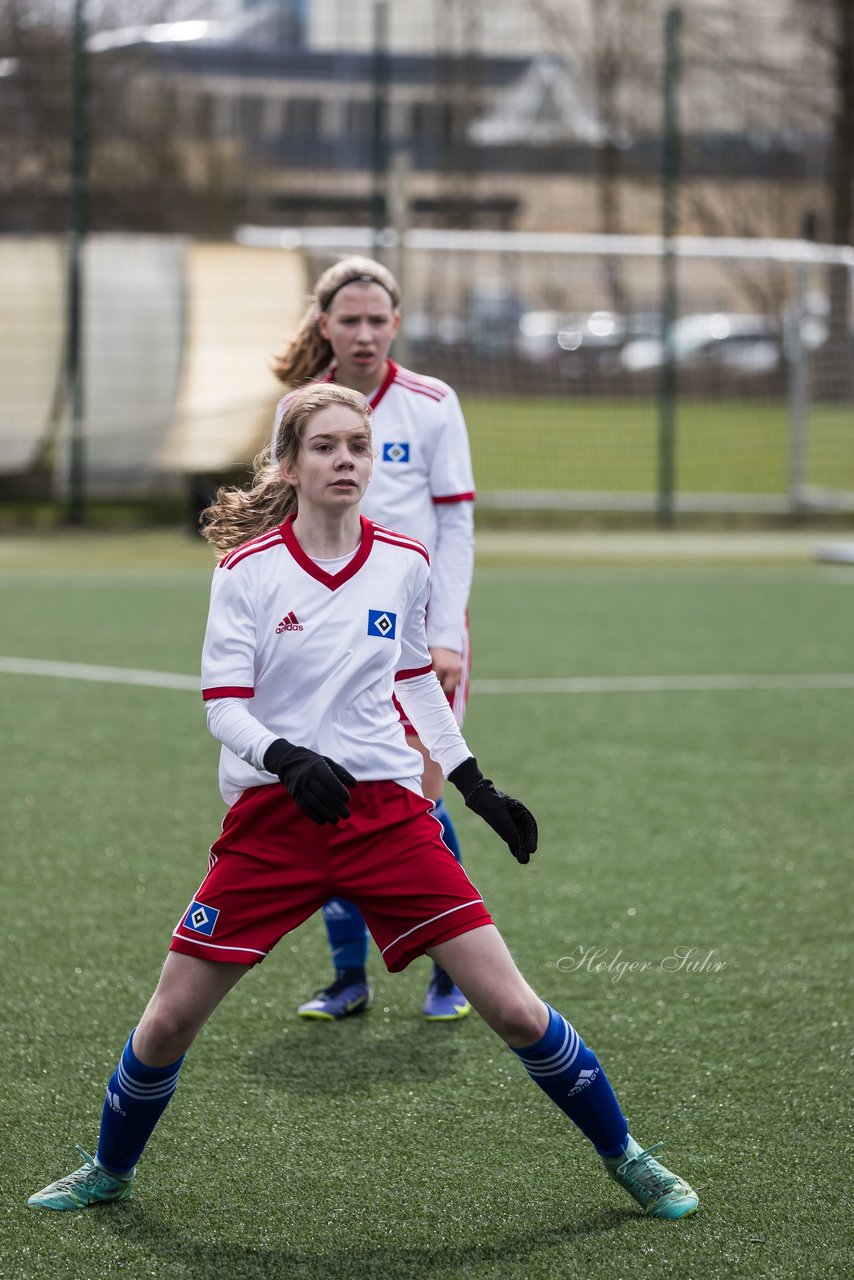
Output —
<point x="164" y="1032"/>
<point x="520" y="1021"/>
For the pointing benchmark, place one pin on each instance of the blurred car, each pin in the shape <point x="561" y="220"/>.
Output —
<point x="485" y="326"/>
<point x="581" y="342"/>
<point x="423" y="329"/>
<point x="740" y="344"/>
<point x="492" y="312"/>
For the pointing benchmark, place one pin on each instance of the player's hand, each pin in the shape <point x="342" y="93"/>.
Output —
<point x="509" y="818"/>
<point x="316" y="783"/>
<point x="448" y="665"/>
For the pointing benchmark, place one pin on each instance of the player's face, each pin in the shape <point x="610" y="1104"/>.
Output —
<point x="360" y="326"/>
<point x="335" y="460"/>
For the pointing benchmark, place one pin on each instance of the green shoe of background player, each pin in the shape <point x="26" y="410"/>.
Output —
<point x="660" y="1193"/>
<point x="86" y="1186"/>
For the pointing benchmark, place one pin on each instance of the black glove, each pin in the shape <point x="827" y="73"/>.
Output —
<point x="515" y="824"/>
<point x="316" y="783"/>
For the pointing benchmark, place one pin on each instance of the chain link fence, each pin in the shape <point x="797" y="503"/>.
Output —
<point x="199" y="166"/>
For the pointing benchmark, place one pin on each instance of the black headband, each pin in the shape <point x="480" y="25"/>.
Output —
<point x="363" y="278"/>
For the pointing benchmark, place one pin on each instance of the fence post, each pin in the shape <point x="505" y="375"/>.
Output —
<point x="379" y="131"/>
<point x="399" y="213"/>
<point x="798" y="388"/>
<point x="76" y="242"/>
<point x="669" y="213"/>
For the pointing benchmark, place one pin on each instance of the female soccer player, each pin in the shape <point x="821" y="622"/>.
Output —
<point x="422" y="485"/>
<point x="315" y="614"/>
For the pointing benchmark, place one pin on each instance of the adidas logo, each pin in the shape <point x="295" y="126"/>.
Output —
<point x="584" y="1079"/>
<point x="113" y="1103"/>
<point x="290" y="622"/>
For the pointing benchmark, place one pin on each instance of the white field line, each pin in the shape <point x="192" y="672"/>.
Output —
<point x="102" y="675"/>
<point x="546" y="684"/>
<point x="663" y="684"/>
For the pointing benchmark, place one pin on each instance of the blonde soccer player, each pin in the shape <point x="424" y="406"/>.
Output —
<point x="422" y="485"/>
<point x="316" y="614"/>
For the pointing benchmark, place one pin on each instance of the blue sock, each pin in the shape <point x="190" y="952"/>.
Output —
<point x="348" y="936"/>
<point x="564" y="1068"/>
<point x="449" y="834"/>
<point x="137" y="1096"/>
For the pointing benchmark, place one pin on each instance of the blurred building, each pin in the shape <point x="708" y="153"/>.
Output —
<point x="303" y="118"/>
<point x="463" y="115"/>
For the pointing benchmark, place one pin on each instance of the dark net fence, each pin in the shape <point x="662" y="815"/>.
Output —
<point x="203" y="162"/>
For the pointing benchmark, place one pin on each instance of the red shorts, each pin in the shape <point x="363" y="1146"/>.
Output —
<point x="273" y="867"/>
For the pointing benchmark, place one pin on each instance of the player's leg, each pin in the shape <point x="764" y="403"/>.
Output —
<point x="349" y="992"/>
<point x="444" y="1002"/>
<point x="144" y="1080"/>
<point x="558" y="1060"/>
<point x="266" y="875"/>
<point x="417" y="900"/>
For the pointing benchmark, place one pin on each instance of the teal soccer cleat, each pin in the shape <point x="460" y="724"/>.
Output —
<point x="88" y="1185"/>
<point x="660" y="1193"/>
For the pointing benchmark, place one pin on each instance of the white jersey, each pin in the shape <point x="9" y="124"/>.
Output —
<point x="319" y="653"/>
<point x="422" y="485"/>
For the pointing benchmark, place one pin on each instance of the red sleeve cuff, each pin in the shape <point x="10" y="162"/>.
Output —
<point x="411" y="674"/>
<point x="454" y="497"/>
<point x="227" y="691"/>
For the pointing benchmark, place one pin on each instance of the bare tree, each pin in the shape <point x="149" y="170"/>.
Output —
<point x="615" y="48"/>
<point x="34" y="110"/>
<point x="829" y="25"/>
<point x="155" y="160"/>
<point x="458" y="95"/>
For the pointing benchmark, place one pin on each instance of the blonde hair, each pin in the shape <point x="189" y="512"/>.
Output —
<point x="308" y="353"/>
<point x="236" y="515"/>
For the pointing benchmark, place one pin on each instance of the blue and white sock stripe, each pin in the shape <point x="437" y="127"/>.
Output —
<point x="554" y="1064"/>
<point x="569" y="1072"/>
<point x="152" y="1091"/>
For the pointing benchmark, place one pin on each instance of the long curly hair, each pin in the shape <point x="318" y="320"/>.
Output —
<point x="236" y="515"/>
<point x="308" y="353"/>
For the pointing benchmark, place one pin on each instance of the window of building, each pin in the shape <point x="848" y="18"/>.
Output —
<point x="302" y="117"/>
<point x="426" y="119"/>
<point x="358" y="120"/>
<point x="250" y="116"/>
<point x="204" y="116"/>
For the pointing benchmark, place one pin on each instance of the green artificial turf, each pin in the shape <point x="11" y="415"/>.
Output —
<point x="612" y="445"/>
<point x="387" y="1149"/>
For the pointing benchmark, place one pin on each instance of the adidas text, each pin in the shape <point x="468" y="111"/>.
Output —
<point x="290" y="622"/>
<point x="584" y="1079"/>
<point x="113" y="1103"/>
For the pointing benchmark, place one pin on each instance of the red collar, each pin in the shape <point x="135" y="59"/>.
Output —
<point x="330" y="580"/>
<point x="376" y="396"/>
